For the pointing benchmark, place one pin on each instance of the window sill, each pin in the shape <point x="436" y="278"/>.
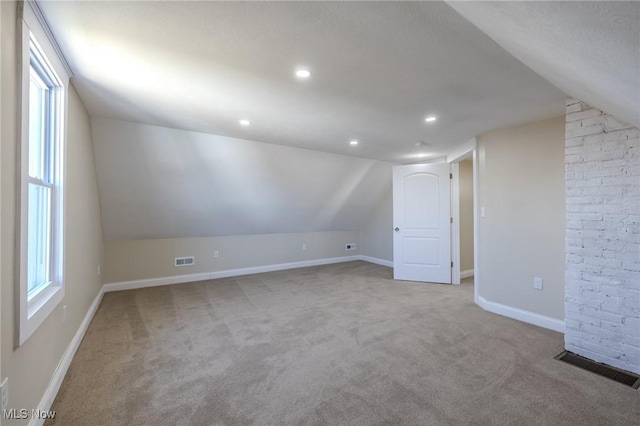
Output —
<point x="38" y="309"/>
<point x="41" y="299"/>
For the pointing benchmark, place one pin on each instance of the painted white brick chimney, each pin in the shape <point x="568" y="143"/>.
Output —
<point x="602" y="278"/>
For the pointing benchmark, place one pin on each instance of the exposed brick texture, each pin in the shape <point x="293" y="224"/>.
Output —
<point x="602" y="278"/>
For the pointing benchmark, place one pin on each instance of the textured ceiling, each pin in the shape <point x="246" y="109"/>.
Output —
<point x="591" y="50"/>
<point x="379" y="68"/>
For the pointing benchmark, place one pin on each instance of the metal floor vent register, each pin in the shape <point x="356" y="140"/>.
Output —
<point x="612" y="373"/>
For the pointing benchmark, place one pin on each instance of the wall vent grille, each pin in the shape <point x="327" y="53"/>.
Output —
<point x="184" y="261"/>
<point x="612" y="373"/>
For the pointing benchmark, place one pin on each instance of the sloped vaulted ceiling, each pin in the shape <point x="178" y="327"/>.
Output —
<point x="157" y="182"/>
<point x="589" y="49"/>
<point x="145" y="69"/>
<point x="378" y="69"/>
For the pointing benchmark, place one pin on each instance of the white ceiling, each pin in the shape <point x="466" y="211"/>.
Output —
<point x="591" y="50"/>
<point x="379" y="68"/>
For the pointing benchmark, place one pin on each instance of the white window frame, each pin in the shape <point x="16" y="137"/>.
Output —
<point x="33" y="309"/>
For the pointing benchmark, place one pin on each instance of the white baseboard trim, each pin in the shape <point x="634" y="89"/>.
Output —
<point x="280" y="267"/>
<point x="522" y="315"/>
<point x="377" y="261"/>
<point x="154" y="282"/>
<point x="63" y="366"/>
<point x="466" y="274"/>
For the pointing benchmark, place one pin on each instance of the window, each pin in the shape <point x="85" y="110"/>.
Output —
<point x="40" y="162"/>
<point x="43" y="145"/>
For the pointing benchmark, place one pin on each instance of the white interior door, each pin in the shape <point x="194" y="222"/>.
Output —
<point x="421" y="217"/>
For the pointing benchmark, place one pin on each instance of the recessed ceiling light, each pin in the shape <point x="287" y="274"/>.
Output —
<point x="244" y="122"/>
<point x="303" y="73"/>
<point x="430" y="119"/>
<point x="353" y="142"/>
<point x="423" y="155"/>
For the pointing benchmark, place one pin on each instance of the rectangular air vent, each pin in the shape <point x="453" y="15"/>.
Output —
<point x="184" y="261"/>
<point x="604" y="370"/>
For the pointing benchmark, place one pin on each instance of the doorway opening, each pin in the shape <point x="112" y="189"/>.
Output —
<point x="462" y="232"/>
<point x="465" y="215"/>
<point x="423" y="252"/>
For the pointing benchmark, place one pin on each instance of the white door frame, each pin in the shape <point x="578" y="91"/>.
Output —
<point x="455" y="224"/>
<point x="470" y="147"/>
<point x="2" y="208"/>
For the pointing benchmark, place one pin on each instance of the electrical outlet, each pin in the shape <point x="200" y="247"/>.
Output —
<point x="537" y="283"/>
<point x="64" y="313"/>
<point x="304" y="246"/>
<point x="5" y="393"/>
<point x="350" y="246"/>
<point x="216" y="253"/>
<point x="99" y="270"/>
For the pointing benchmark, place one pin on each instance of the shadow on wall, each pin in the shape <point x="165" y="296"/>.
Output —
<point x="175" y="184"/>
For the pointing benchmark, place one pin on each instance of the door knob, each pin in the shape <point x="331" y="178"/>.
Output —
<point x="397" y="229"/>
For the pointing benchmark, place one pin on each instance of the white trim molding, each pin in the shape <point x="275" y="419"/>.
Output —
<point x="156" y="282"/>
<point x="281" y="266"/>
<point x="35" y="52"/>
<point x="455" y="223"/>
<point x="467" y="150"/>
<point x="65" y="362"/>
<point x="377" y="261"/>
<point x="476" y="222"/>
<point x="37" y="12"/>
<point x="466" y="273"/>
<point x="178" y="279"/>
<point x="522" y="315"/>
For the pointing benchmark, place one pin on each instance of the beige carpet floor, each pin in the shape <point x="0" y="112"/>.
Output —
<point x="338" y="344"/>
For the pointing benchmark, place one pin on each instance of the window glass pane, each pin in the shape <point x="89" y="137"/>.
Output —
<point x="39" y="236"/>
<point x="37" y="126"/>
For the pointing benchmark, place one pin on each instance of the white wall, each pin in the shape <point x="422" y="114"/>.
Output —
<point x="127" y="260"/>
<point x="157" y="182"/>
<point x="31" y="366"/>
<point x="167" y="193"/>
<point x="377" y="234"/>
<point x="521" y="187"/>
<point x="602" y="300"/>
